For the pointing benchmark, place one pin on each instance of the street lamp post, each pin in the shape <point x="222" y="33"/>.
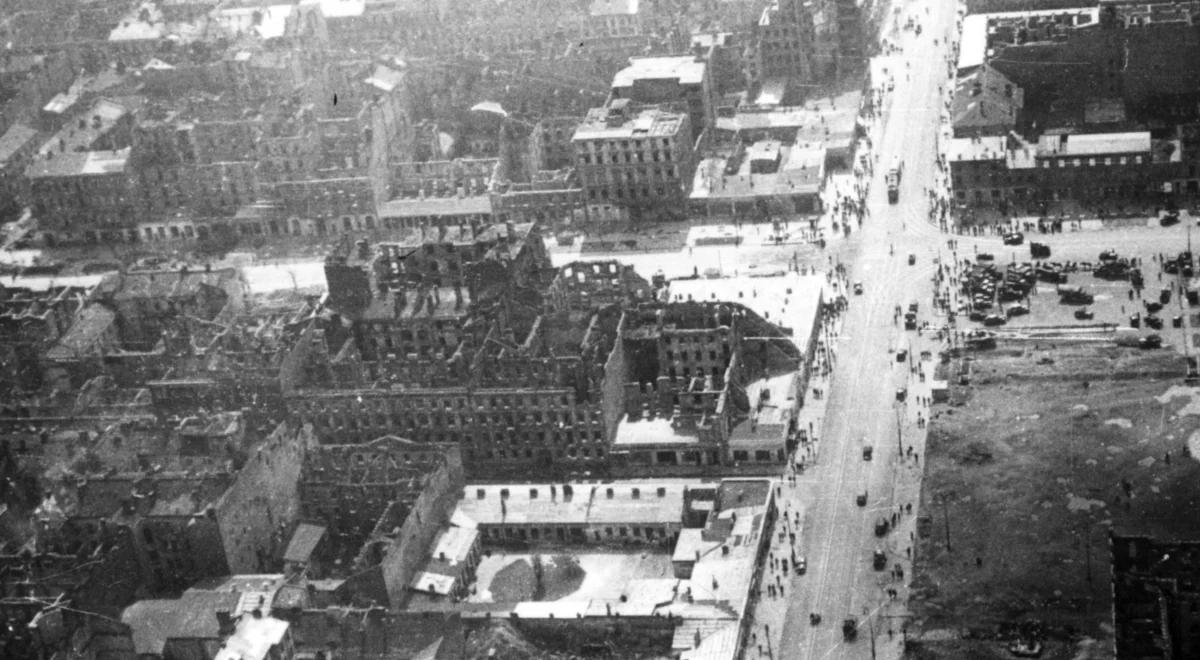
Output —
<point x="899" y="435"/>
<point x="946" y="517"/>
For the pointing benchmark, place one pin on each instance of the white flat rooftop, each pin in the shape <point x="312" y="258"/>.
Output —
<point x="684" y="68"/>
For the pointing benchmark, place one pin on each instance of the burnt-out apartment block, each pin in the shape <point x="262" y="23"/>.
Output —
<point x="1156" y="597"/>
<point x="31" y="322"/>
<point x="380" y="503"/>
<point x="454" y="342"/>
<point x="245" y="361"/>
<point x="698" y="378"/>
<point x="121" y="331"/>
<point x="179" y="527"/>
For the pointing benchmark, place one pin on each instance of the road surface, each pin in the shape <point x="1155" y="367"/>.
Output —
<point x="839" y="538"/>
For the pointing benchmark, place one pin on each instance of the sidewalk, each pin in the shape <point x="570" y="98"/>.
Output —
<point x="768" y="612"/>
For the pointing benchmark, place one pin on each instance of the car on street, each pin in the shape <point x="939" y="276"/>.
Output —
<point x="1150" y="341"/>
<point x="801" y="565"/>
<point x="1084" y="314"/>
<point x="994" y="319"/>
<point x="912" y="259"/>
<point x="901" y="355"/>
<point x="868" y="452"/>
<point x="1154" y="322"/>
<point x="858" y="288"/>
<point x="1169" y="219"/>
<point x="901" y="394"/>
<point x="882" y="527"/>
<point x="1014" y="238"/>
<point x="861" y="498"/>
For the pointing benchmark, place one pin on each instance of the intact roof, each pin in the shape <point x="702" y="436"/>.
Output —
<point x="386" y="78"/>
<point x="304" y="541"/>
<point x="686" y="69"/>
<point x="985" y="97"/>
<point x="1094" y="144"/>
<point x="253" y="638"/>
<point x="14" y="139"/>
<point x="589" y="504"/>
<point x="613" y="7"/>
<point x="650" y="122"/>
<point x="436" y="206"/>
<point x="191" y="616"/>
<point x="990" y="147"/>
<point x="79" y="163"/>
<point x="339" y="8"/>
<point x="454" y="543"/>
<point x="91" y="324"/>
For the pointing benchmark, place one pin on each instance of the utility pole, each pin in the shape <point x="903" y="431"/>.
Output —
<point x="946" y="517"/>
<point x="899" y="436"/>
<point x="767" y="634"/>
<point x="871" y="627"/>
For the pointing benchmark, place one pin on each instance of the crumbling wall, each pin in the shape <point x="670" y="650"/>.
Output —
<point x="263" y="501"/>
<point x="410" y="548"/>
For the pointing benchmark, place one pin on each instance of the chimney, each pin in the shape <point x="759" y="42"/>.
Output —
<point x="225" y="626"/>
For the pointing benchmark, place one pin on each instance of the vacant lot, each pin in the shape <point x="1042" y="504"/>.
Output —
<point x="1036" y="459"/>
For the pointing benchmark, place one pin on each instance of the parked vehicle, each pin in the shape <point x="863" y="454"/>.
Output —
<point x="861" y="498"/>
<point x="801" y="565"/>
<point x="868" y="451"/>
<point x="1039" y="250"/>
<point x="1084" y="314"/>
<point x="912" y="259"/>
<point x="1154" y="322"/>
<point x="901" y="355"/>
<point x="879" y="560"/>
<point x="858" y="288"/>
<point x="1075" y="296"/>
<point x="1014" y="238"/>
<point x="994" y="319"/>
<point x="882" y="527"/>
<point x="1016" y="310"/>
<point x="850" y="629"/>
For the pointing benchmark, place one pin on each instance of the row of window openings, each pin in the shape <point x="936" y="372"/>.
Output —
<point x="514" y="438"/>
<point x="635" y="493"/>
<point x="627" y="157"/>
<point x="535" y="533"/>
<point x="436" y="405"/>
<point x="633" y="193"/>
<point x="1092" y="162"/>
<point x="491" y="454"/>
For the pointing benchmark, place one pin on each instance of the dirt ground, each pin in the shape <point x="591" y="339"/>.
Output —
<point x="1026" y="472"/>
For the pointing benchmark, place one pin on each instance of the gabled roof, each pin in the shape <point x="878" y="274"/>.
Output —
<point x="304" y="541"/>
